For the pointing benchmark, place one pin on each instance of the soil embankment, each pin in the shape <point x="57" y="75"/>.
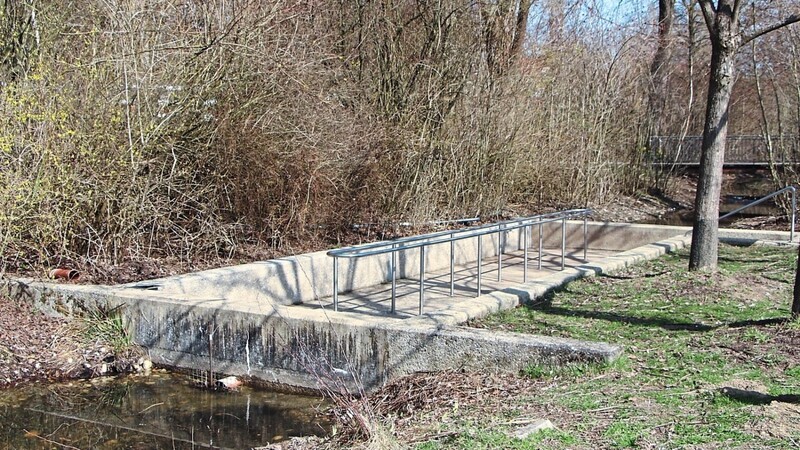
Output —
<point x="35" y="347"/>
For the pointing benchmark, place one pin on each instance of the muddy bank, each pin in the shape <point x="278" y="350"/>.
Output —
<point x="35" y="347"/>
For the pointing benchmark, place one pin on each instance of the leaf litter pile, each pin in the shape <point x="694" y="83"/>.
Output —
<point x="35" y="347"/>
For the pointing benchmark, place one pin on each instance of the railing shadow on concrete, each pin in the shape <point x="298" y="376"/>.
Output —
<point x="399" y="249"/>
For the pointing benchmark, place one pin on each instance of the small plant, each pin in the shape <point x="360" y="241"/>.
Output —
<point x="106" y="327"/>
<point x="755" y="335"/>
<point x="623" y="434"/>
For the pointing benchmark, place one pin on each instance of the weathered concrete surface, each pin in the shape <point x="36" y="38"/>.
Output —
<point x="306" y="347"/>
<point x="215" y="321"/>
<point x="308" y="277"/>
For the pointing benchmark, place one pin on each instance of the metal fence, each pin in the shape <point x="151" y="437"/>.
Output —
<point x="743" y="150"/>
<point x="424" y="241"/>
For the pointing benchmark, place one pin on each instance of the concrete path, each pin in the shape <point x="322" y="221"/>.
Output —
<point x="377" y="300"/>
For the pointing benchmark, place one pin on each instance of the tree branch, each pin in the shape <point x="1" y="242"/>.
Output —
<point x="788" y="21"/>
<point x="708" y="14"/>
<point x="737" y="7"/>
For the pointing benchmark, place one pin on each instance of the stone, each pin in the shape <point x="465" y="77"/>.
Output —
<point x="534" y="427"/>
<point x="229" y="383"/>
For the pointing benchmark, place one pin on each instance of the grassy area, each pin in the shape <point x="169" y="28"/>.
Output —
<point x="704" y="356"/>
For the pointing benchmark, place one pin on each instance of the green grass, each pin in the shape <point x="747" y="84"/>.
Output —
<point x="476" y="438"/>
<point x="107" y="327"/>
<point x="684" y="334"/>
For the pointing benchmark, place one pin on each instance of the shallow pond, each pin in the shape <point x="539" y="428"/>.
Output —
<point x="162" y="410"/>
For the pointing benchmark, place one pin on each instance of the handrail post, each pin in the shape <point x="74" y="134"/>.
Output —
<point x="585" y="241"/>
<point x="541" y="242"/>
<point x="421" y="277"/>
<point x="500" y="254"/>
<point x="335" y="283"/>
<point x="563" y="241"/>
<point x="452" y="264"/>
<point x="393" y="269"/>
<point x="480" y="263"/>
<point x="525" y="254"/>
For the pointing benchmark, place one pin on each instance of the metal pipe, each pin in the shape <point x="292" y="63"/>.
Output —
<point x="500" y="235"/>
<point x="563" y="241"/>
<point x="791" y="189"/>
<point x="421" y="277"/>
<point x="525" y="254"/>
<point x="757" y="202"/>
<point x="335" y="283"/>
<point x="393" y="269"/>
<point x="378" y="248"/>
<point x="541" y="241"/>
<point x="452" y="265"/>
<point x="585" y="241"/>
<point x="480" y="263"/>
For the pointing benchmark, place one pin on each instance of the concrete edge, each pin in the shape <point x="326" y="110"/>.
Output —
<point x="514" y="296"/>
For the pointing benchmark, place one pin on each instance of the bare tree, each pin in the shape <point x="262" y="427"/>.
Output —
<point x="796" y="296"/>
<point x="722" y="20"/>
<point x="659" y="68"/>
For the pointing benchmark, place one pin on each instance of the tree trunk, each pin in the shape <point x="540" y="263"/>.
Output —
<point x="521" y="27"/>
<point x="658" y="69"/>
<point x="722" y="21"/>
<point x="796" y="297"/>
<point x="705" y="232"/>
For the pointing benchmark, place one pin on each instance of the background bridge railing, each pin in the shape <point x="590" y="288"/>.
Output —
<point x="422" y="242"/>
<point x="740" y="150"/>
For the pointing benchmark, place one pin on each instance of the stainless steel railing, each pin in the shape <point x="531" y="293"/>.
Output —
<point x="791" y="189"/>
<point x="451" y="236"/>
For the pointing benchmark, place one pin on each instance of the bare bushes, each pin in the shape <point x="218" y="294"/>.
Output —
<point x="580" y="119"/>
<point x="175" y="129"/>
<point x="189" y="129"/>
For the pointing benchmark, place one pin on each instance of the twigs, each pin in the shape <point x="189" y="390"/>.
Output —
<point x="49" y="441"/>
<point x="193" y="135"/>
<point x="423" y="391"/>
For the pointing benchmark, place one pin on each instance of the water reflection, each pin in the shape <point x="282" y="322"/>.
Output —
<point x="160" y="411"/>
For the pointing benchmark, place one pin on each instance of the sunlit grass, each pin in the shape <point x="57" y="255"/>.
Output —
<point x="685" y="335"/>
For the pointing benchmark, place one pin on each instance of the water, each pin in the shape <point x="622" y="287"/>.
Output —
<point x="727" y="204"/>
<point x="160" y="411"/>
<point x="739" y="187"/>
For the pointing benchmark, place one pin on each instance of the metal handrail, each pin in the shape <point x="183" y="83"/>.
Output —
<point x="791" y="189"/>
<point x="451" y="236"/>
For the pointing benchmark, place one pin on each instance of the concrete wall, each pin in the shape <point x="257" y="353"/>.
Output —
<point x="608" y="236"/>
<point x="309" y="277"/>
<point x="305" y="348"/>
<point x="244" y="333"/>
